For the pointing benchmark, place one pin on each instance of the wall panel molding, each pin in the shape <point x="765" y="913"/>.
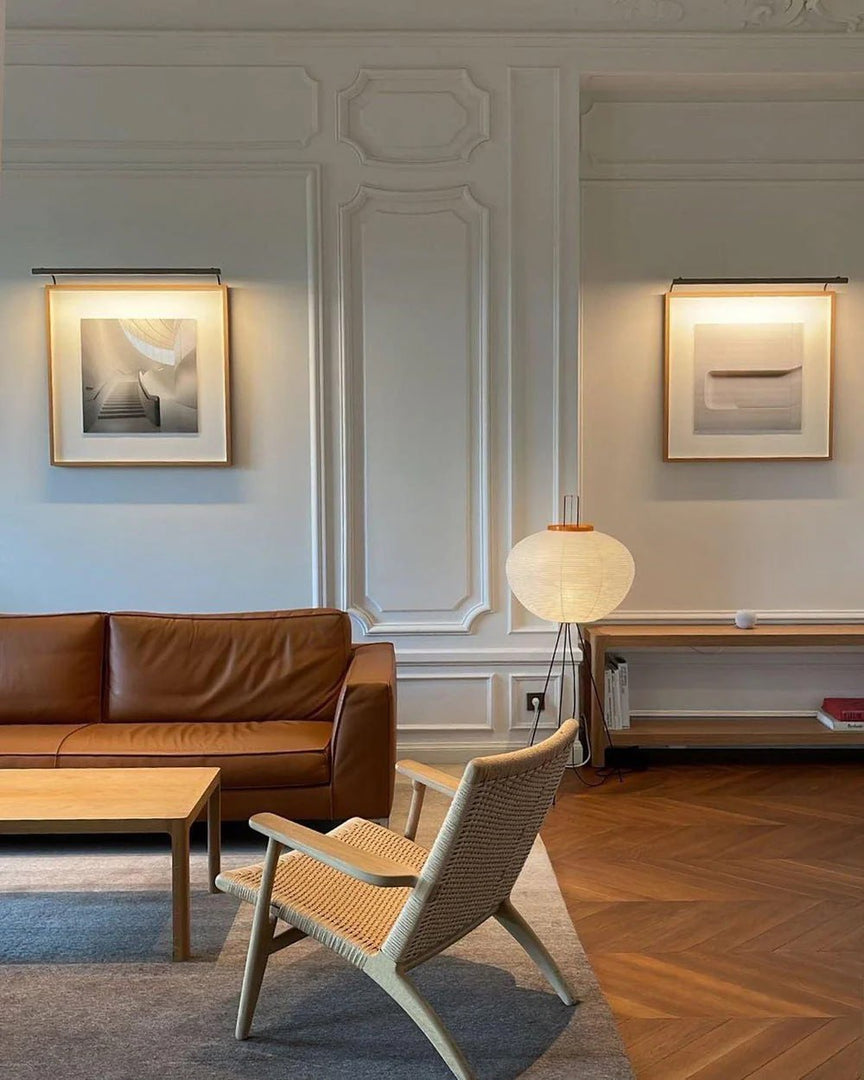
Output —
<point x="535" y="374"/>
<point x="731" y="139"/>
<point x="445" y="706"/>
<point x="397" y="249"/>
<point x="112" y="114"/>
<point x="413" y="116"/>
<point x="317" y="387"/>
<point x="478" y="656"/>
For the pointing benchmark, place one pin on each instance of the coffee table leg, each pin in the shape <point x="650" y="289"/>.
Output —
<point x="214" y="837"/>
<point x="180" y="888"/>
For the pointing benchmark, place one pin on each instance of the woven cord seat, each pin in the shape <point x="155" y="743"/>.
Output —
<point x="349" y="916"/>
<point x="386" y="904"/>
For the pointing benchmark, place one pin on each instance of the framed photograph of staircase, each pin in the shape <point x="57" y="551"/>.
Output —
<point x="138" y="375"/>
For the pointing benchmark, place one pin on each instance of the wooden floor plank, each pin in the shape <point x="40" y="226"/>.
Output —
<point x="722" y="908"/>
<point x="730" y="1049"/>
<point x="831" y="1050"/>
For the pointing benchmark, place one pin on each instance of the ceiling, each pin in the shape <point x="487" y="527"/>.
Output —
<point x="418" y="15"/>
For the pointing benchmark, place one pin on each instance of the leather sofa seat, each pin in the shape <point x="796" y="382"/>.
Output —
<point x="32" y="746"/>
<point x="251" y="754"/>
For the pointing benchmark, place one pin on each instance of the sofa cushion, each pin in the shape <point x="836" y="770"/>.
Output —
<point x="261" y="666"/>
<point x="51" y="668"/>
<point x="250" y="754"/>
<point x="32" y="746"/>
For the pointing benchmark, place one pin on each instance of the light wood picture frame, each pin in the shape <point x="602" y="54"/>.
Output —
<point x="138" y="375"/>
<point x="749" y="376"/>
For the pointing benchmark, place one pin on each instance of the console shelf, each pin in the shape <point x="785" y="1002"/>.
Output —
<point x="683" y="732"/>
<point x="703" y="731"/>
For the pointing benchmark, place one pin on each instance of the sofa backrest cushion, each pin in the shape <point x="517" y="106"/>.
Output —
<point x="51" y="668"/>
<point x="281" y="665"/>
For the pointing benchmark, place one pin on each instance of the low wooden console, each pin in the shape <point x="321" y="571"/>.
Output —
<point x="671" y="732"/>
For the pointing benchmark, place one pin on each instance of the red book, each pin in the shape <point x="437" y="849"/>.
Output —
<point x="842" y="714"/>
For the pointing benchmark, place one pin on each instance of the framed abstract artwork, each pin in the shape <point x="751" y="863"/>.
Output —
<point x="138" y="374"/>
<point x="749" y="376"/>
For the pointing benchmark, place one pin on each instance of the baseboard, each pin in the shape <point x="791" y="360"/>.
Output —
<point x="452" y="753"/>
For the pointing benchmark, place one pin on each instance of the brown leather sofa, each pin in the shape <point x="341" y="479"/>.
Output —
<point x="299" y="720"/>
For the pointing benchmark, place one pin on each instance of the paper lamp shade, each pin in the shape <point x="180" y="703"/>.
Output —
<point x="570" y="575"/>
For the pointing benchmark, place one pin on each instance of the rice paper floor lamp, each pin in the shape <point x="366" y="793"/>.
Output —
<point x="569" y="574"/>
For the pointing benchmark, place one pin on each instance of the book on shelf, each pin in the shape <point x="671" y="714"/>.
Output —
<point x="842" y="714"/>
<point x="609" y="699"/>
<point x="624" y="686"/>
<point x="617" y="694"/>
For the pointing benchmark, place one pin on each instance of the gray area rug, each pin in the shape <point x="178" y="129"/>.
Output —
<point x="88" y="992"/>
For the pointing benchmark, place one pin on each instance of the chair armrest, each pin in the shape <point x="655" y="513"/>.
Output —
<point x="362" y="865"/>
<point x="429" y="777"/>
<point x="423" y="777"/>
<point x="363" y="747"/>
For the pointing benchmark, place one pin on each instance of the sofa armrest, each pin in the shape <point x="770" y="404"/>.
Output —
<point x="363" y="748"/>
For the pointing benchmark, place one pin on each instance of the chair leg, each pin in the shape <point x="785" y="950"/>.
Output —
<point x="263" y="925"/>
<point x="408" y="998"/>
<point x="514" y="924"/>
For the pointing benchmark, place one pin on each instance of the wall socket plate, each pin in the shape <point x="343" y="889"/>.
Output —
<point x="529" y="701"/>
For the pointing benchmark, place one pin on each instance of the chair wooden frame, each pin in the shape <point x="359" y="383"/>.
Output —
<point x="388" y="966"/>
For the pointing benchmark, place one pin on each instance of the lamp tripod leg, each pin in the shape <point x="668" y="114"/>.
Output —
<point x="546" y="687"/>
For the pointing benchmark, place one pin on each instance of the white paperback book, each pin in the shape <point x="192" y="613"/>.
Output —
<point x="608" y="709"/>
<point x="624" y="697"/>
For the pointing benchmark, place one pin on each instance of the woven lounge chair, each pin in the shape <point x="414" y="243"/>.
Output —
<point x="386" y="904"/>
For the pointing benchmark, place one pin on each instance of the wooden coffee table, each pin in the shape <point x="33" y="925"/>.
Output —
<point x="121" y="800"/>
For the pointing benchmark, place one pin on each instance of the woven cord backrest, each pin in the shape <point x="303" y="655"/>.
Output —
<point x="486" y="837"/>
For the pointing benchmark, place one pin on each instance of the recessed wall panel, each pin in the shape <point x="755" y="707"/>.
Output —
<point x="414" y="267"/>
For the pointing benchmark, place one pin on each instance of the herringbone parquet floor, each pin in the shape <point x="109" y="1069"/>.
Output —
<point x="722" y="908"/>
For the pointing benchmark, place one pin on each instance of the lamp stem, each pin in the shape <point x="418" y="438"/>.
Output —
<point x="566" y="627"/>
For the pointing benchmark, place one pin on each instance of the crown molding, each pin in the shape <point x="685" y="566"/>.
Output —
<point x="458" y="16"/>
<point x="278" y="48"/>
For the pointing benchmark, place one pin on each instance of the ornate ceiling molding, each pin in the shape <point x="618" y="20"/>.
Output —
<point x="836" y="15"/>
<point x="659" y="12"/>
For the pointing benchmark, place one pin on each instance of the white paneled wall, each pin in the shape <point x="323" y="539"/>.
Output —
<point x="399" y="219"/>
<point x="731" y="180"/>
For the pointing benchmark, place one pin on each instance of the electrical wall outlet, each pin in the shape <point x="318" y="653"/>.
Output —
<point x="529" y="701"/>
